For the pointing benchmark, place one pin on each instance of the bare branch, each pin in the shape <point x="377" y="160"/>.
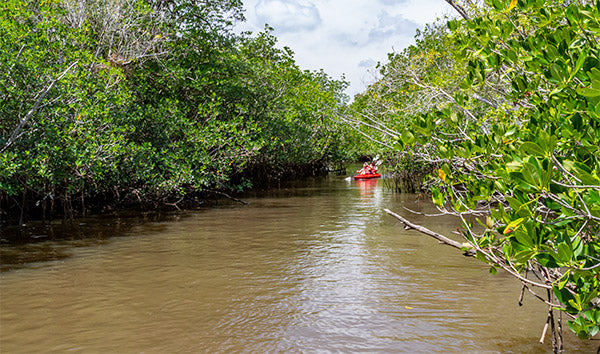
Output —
<point x="471" y="252"/>
<point x="459" y="9"/>
<point x="443" y="239"/>
<point x="35" y="107"/>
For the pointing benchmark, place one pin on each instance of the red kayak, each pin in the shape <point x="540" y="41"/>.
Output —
<point x="367" y="176"/>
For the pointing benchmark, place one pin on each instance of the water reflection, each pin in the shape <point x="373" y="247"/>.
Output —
<point x="41" y="242"/>
<point x="309" y="268"/>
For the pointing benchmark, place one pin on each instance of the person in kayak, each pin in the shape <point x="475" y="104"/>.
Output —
<point x="366" y="169"/>
<point x="373" y="167"/>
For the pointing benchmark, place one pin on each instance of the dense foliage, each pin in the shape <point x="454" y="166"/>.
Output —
<point x="145" y="101"/>
<point x="505" y="103"/>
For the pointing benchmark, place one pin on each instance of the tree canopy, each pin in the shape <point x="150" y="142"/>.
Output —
<point x="149" y="101"/>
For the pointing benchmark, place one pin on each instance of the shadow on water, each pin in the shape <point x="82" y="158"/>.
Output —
<point x="38" y="242"/>
<point x="43" y="242"/>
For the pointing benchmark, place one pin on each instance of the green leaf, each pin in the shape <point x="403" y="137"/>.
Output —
<point x="564" y="281"/>
<point x="514" y="203"/>
<point x="594" y="74"/>
<point x="557" y="72"/>
<point x="438" y="197"/>
<point x="497" y="4"/>
<point x="531" y="173"/>
<point x="521" y="182"/>
<point x="408" y="138"/>
<point x="524" y="238"/>
<point x="529" y="147"/>
<point x="563" y="295"/>
<point x="523" y="256"/>
<point x="546" y="260"/>
<point x="578" y="245"/>
<point x="578" y="66"/>
<point x="565" y="253"/>
<point x="588" y="91"/>
<point x="575" y="303"/>
<point x="513" y="225"/>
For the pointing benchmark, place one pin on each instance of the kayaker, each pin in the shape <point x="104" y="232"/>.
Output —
<point x="366" y="169"/>
<point x="373" y="167"/>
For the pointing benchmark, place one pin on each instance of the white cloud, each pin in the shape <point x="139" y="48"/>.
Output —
<point x="391" y="26"/>
<point x="343" y="36"/>
<point x="288" y="16"/>
<point x="392" y="2"/>
<point x="367" y="63"/>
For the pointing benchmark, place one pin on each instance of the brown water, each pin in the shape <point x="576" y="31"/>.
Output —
<point x="313" y="268"/>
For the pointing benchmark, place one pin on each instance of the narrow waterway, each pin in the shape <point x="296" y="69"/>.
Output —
<point x="314" y="267"/>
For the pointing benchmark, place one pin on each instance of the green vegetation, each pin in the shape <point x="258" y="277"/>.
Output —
<point x="505" y="104"/>
<point x="149" y="102"/>
<point x="152" y="102"/>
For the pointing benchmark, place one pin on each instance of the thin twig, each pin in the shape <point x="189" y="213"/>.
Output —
<point x="227" y="196"/>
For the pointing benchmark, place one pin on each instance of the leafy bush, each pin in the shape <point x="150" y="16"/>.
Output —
<point x="148" y="101"/>
<point x="516" y="136"/>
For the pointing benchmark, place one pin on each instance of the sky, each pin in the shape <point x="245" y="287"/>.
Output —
<point x="343" y="37"/>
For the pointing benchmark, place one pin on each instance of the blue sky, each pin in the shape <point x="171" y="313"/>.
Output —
<point x="343" y="36"/>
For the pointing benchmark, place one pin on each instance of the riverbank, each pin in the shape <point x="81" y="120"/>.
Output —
<point x="24" y="208"/>
<point x="40" y="225"/>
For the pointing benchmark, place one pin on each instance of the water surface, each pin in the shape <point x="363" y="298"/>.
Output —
<point x="315" y="267"/>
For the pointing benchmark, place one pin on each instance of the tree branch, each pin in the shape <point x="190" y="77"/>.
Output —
<point x="443" y="239"/>
<point x="459" y="9"/>
<point x="471" y="252"/>
<point x="33" y="109"/>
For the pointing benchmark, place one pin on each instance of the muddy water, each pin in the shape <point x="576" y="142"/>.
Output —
<point x="311" y="268"/>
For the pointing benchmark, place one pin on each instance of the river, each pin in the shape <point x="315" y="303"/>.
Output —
<point x="315" y="266"/>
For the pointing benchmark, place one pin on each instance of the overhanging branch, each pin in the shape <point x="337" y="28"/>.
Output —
<point x="459" y="9"/>
<point x="443" y="239"/>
